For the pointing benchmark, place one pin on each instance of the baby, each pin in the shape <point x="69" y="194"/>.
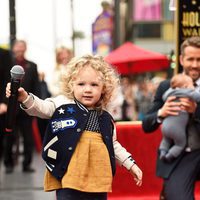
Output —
<point x="174" y="127"/>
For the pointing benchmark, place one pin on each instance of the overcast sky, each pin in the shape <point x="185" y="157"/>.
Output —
<point x="46" y="24"/>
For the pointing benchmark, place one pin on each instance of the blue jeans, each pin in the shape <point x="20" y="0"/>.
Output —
<point x="70" y="194"/>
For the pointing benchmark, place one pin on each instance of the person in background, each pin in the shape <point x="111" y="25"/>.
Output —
<point x="174" y="127"/>
<point x="128" y="106"/>
<point x="80" y="145"/>
<point x="143" y="98"/>
<point x="44" y="93"/>
<point x="154" y="83"/>
<point x="122" y="108"/>
<point x="181" y="174"/>
<point x="115" y="107"/>
<point x="5" y="67"/>
<point x="63" y="56"/>
<point x="23" y="124"/>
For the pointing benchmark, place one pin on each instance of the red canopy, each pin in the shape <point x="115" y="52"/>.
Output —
<point x="131" y="59"/>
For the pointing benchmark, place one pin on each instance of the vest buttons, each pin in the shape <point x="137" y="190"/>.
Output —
<point x="78" y="130"/>
<point x="188" y="149"/>
<point x="107" y="137"/>
<point x="70" y="148"/>
<point x="85" y="114"/>
<point x="59" y="176"/>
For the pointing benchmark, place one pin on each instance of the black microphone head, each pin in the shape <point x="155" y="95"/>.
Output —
<point x="17" y="72"/>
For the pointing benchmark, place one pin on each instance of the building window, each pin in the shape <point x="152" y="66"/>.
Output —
<point x="152" y="19"/>
<point x="147" y="10"/>
<point x="144" y="30"/>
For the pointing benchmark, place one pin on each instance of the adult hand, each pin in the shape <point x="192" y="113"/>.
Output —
<point x="3" y="108"/>
<point x="170" y="107"/>
<point x="188" y="105"/>
<point x="22" y="94"/>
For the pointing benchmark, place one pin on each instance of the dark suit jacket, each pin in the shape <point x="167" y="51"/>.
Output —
<point x="5" y="66"/>
<point x="150" y="124"/>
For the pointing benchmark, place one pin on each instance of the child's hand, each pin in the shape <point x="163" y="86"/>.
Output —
<point x="137" y="173"/>
<point x="22" y="94"/>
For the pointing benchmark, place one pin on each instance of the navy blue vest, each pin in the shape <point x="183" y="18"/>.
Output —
<point x="63" y="133"/>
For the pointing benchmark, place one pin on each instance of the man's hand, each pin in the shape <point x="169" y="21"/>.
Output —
<point x="188" y="105"/>
<point x="3" y="108"/>
<point x="171" y="107"/>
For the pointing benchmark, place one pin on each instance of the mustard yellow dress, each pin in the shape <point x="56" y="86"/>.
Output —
<point x="89" y="169"/>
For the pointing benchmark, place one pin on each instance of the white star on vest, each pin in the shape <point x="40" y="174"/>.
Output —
<point x="61" y="111"/>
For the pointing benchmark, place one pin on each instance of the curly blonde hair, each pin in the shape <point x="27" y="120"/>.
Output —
<point x="109" y="75"/>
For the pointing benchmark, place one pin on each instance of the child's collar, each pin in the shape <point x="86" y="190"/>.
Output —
<point x="80" y="105"/>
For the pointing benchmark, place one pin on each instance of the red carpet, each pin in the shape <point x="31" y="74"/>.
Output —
<point x="134" y="198"/>
<point x="36" y="135"/>
<point x="140" y="198"/>
<point x="144" y="149"/>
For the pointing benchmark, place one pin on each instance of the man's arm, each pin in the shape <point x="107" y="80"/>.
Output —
<point x="160" y="109"/>
<point x="5" y="66"/>
<point x="151" y="121"/>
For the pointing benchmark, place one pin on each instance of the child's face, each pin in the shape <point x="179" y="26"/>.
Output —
<point x="88" y="87"/>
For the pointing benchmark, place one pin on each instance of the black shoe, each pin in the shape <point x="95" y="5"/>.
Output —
<point x="28" y="170"/>
<point x="162" y="154"/>
<point x="9" y="169"/>
<point x="169" y="158"/>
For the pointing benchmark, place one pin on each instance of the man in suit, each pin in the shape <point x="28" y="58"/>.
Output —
<point x="23" y="125"/>
<point x="181" y="174"/>
<point x="5" y="66"/>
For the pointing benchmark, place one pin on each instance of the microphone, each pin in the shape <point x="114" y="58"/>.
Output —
<point x="17" y="73"/>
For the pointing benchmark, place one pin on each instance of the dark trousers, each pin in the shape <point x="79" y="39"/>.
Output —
<point x="70" y="194"/>
<point x="23" y="127"/>
<point x="42" y="125"/>
<point x="2" y="129"/>
<point x="181" y="183"/>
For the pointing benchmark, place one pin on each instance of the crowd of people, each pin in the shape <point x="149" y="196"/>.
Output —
<point x="134" y="98"/>
<point x="81" y="93"/>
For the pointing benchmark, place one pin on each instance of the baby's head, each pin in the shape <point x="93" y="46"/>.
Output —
<point x="104" y="74"/>
<point x="181" y="81"/>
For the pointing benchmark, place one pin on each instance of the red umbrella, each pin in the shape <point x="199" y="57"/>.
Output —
<point x="131" y="59"/>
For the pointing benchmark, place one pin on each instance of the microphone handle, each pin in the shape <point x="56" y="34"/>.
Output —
<point x="12" y="106"/>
